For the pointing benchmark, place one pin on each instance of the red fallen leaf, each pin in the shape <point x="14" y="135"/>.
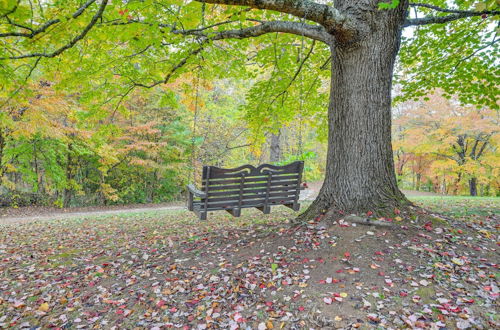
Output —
<point x="397" y="211"/>
<point x="120" y="311"/>
<point x="173" y="310"/>
<point x="161" y="303"/>
<point x="321" y="260"/>
<point x="284" y="282"/>
<point x="379" y="253"/>
<point x="381" y="274"/>
<point x="487" y="288"/>
<point x="269" y="303"/>
<point x="347" y="255"/>
<point x="469" y="301"/>
<point x="322" y="282"/>
<point x="369" y="213"/>
<point x="403" y="293"/>
<point x="301" y="308"/>
<point x="340" y="271"/>
<point x="305" y="185"/>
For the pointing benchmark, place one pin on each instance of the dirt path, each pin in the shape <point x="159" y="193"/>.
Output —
<point x="66" y="215"/>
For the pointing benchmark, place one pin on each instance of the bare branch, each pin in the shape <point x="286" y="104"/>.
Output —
<point x="455" y="15"/>
<point x="70" y="44"/>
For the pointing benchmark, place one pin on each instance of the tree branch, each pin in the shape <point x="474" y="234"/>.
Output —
<point x="73" y="41"/>
<point x="10" y="11"/>
<point x="455" y="15"/>
<point x="328" y="16"/>
<point x="301" y="65"/>
<point x="44" y="26"/>
<point x="174" y="69"/>
<point x="315" y="32"/>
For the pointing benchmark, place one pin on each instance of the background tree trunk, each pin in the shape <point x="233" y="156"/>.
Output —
<point x="473" y="186"/>
<point x="275" y="147"/>
<point x="360" y="172"/>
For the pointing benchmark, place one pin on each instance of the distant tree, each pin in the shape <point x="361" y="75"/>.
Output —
<point x="461" y="141"/>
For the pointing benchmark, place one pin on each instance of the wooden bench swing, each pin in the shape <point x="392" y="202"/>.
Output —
<point x="232" y="189"/>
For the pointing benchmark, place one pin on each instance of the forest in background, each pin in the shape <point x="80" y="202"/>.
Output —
<point x="54" y="151"/>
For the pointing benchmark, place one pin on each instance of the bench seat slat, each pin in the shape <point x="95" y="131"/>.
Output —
<point x="289" y="188"/>
<point x="250" y="179"/>
<point x="288" y="183"/>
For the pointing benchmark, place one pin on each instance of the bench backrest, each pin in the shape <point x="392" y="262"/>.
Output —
<point x="248" y="186"/>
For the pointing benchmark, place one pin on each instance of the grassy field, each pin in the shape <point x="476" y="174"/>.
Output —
<point x="460" y="206"/>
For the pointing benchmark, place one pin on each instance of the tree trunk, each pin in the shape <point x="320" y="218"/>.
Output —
<point x="419" y="180"/>
<point x="473" y="186"/>
<point x="275" y="148"/>
<point x="68" y="189"/>
<point x="2" y="148"/>
<point x="360" y="172"/>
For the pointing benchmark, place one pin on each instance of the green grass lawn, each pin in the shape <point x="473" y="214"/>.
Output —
<point x="460" y="206"/>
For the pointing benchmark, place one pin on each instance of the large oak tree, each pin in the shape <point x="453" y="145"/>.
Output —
<point x="362" y="36"/>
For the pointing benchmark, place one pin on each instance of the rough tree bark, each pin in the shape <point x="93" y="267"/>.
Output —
<point x="360" y="168"/>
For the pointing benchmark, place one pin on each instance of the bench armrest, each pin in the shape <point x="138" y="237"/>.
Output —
<point x="198" y="193"/>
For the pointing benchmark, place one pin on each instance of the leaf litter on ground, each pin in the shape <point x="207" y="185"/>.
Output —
<point x="257" y="271"/>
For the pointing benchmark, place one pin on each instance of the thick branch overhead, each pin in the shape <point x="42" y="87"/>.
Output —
<point x="307" y="30"/>
<point x="329" y="17"/>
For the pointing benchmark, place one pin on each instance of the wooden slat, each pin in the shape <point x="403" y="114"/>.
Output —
<point x="252" y="185"/>
<point x="252" y="179"/>
<point x="290" y="188"/>
<point x="252" y="196"/>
